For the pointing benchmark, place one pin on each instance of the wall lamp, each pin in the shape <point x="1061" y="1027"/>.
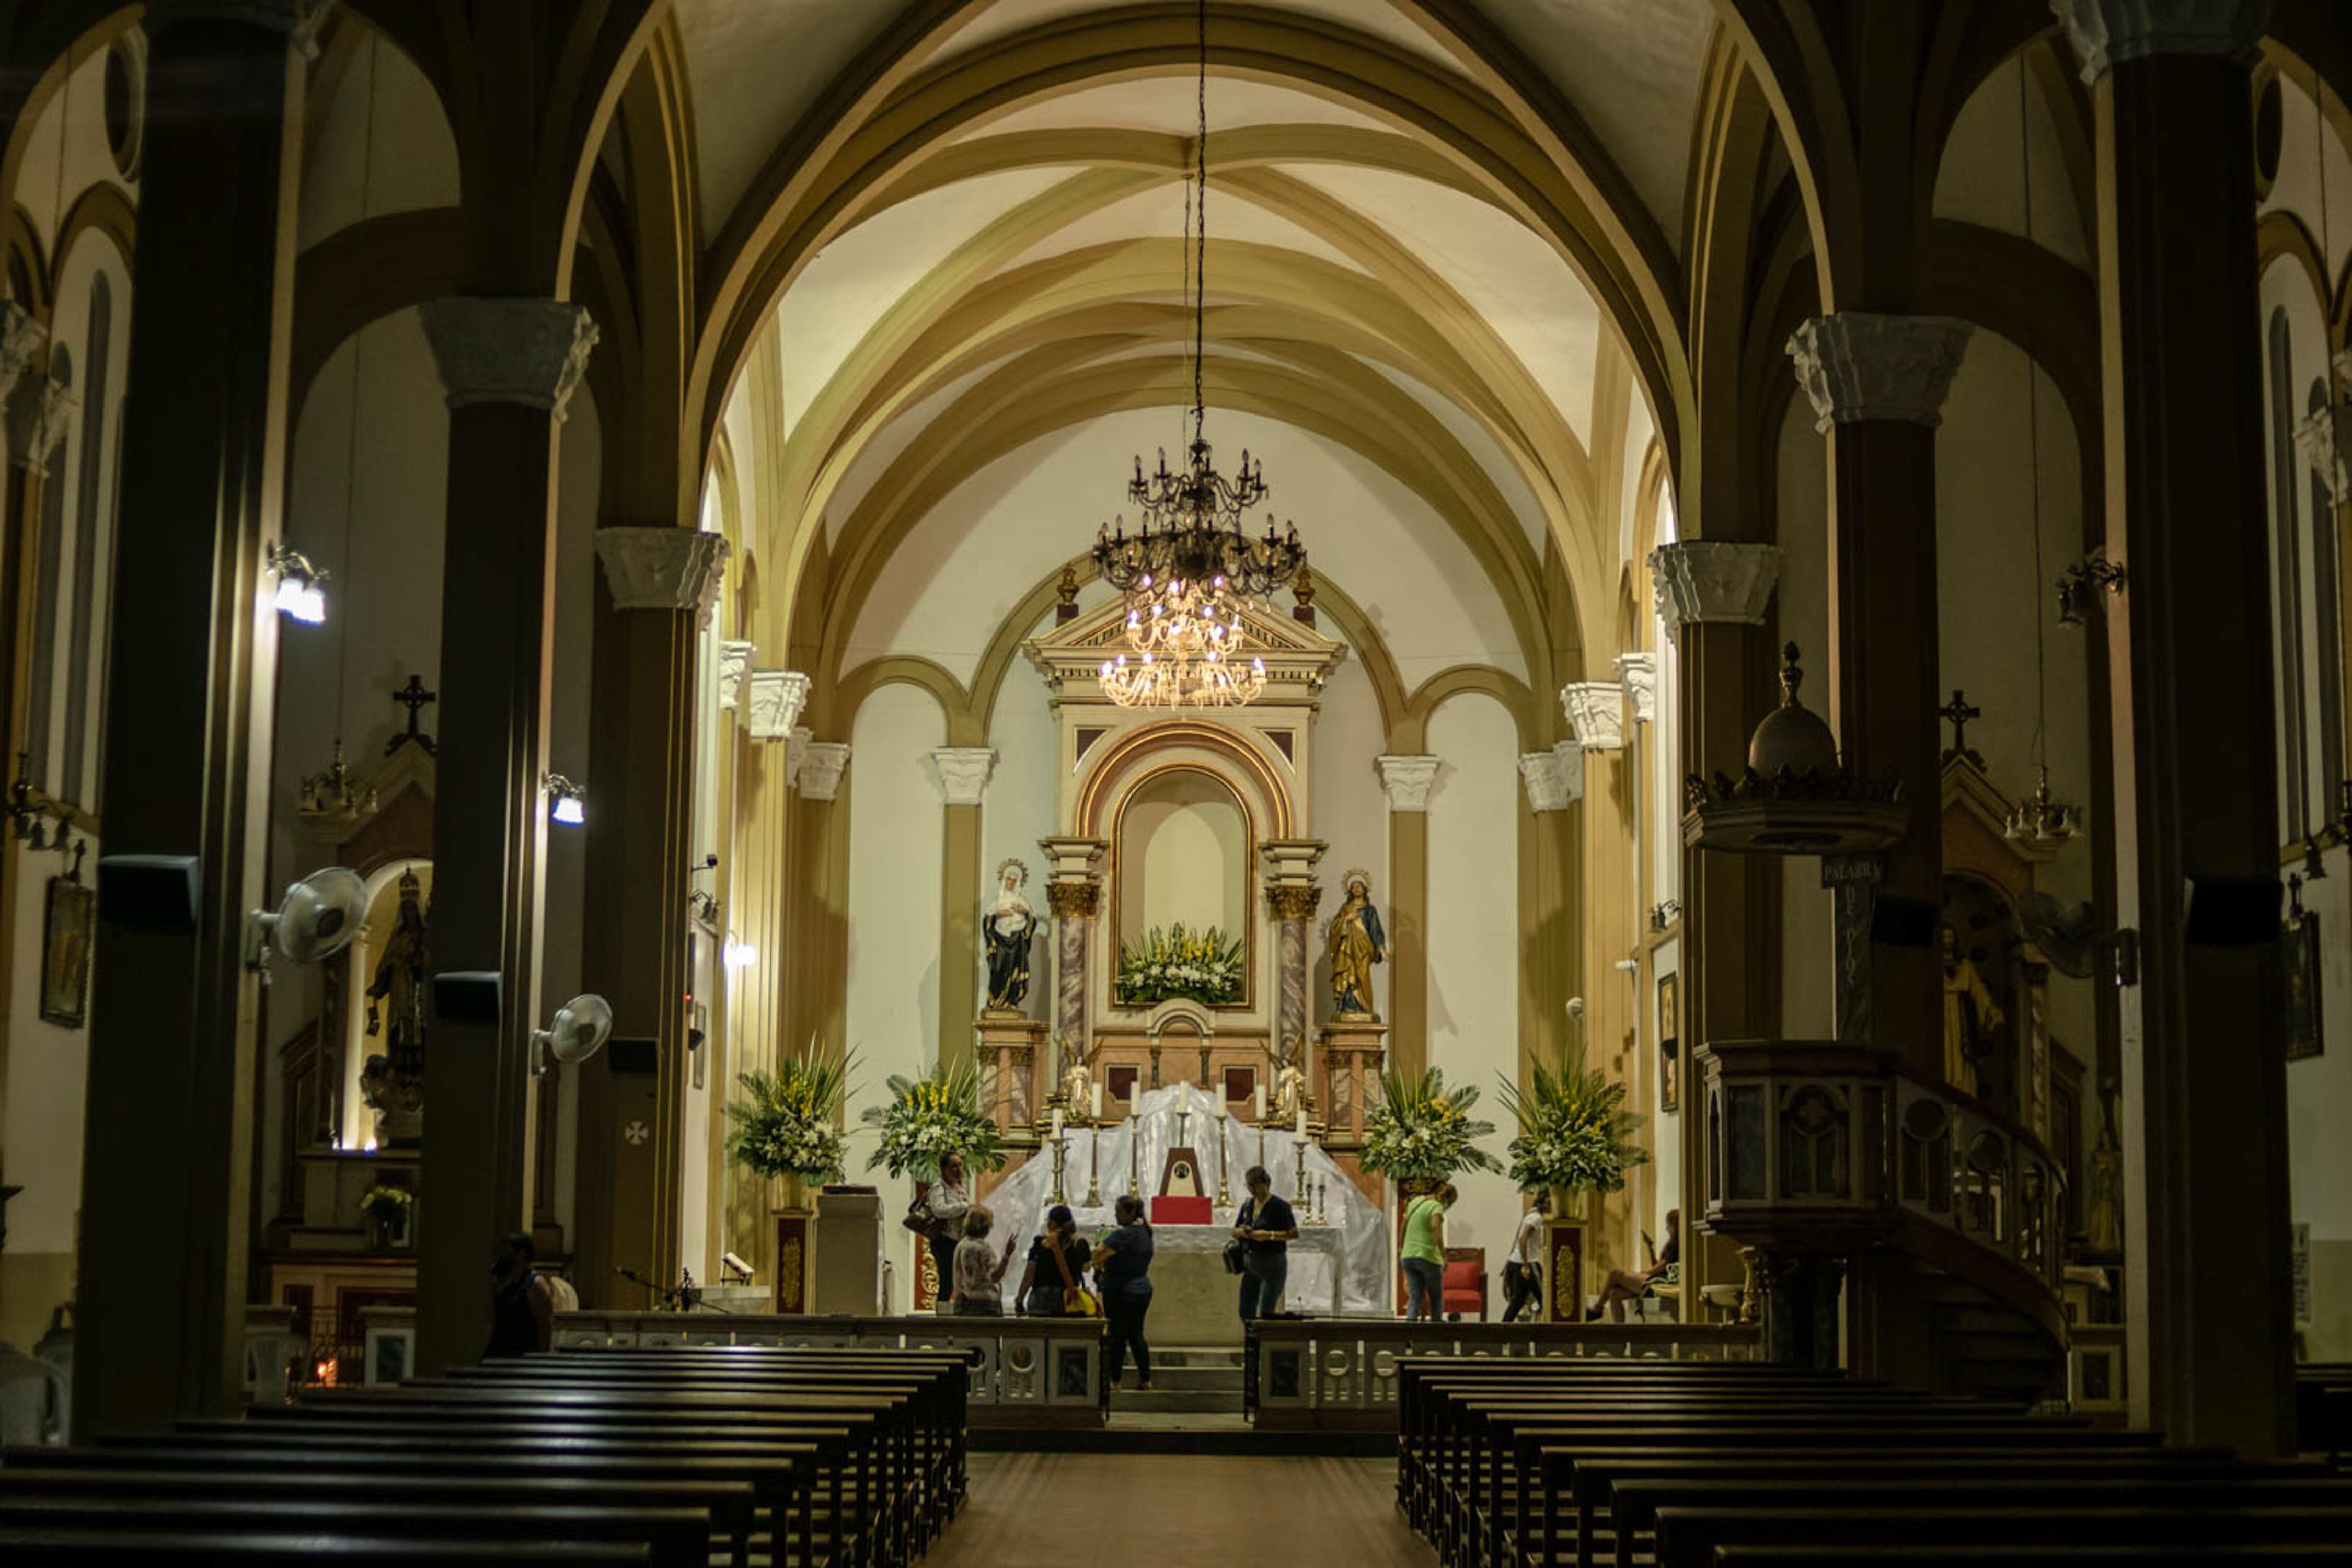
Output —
<point x="1666" y="914"/>
<point x="301" y="587"/>
<point x="2078" y="587"/>
<point x="567" y="802"/>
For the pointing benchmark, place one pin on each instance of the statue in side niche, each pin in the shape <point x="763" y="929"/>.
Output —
<point x="1355" y="942"/>
<point x="1011" y="928"/>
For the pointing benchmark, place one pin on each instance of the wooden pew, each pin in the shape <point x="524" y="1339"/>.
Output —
<point x="1688" y="1537"/>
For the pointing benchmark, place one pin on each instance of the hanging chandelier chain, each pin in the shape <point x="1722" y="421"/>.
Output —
<point x="1200" y="235"/>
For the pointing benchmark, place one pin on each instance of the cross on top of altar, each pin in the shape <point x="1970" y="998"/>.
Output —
<point x="414" y="697"/>
<point x="1957" y="713"/>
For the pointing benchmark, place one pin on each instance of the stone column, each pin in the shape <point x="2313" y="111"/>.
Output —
<point x="1877" y="384"/>
<point x="508" y="365"/>
<point x="963" y="772"/>
<point x="166" y="1204"/>
<point x="28" y="434"/>
<point x="658" y="585"/>
<point x="1074" y="896"/>
<point x="1712" y="595"/>
<point x="2194" y="726"/>
<point x="760" y="877"/>
<point x="1291" y="896"/>
<point x="1407" y="781"/>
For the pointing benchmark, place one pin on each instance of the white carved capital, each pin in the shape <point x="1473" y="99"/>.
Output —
<point x="1596" y="712"/>
<point x="508" y="349"/>
<point x="1407" y="781"/>
<point x="1555" y="779"/>
<point x="734" y="665"/>
<point x="2324" y="437"/>
<point x="21" y="337"/>
<point x="41" y="410"/>
<point x="661" y="568"/>
<point x="2107" y="33"/>
<point x="1638" y="671"/>
<point x="1714" y="580"/>
<point x="964" y="773"/>
<point x="1857" y="365"/>
<point x="777" y="697"/>
<point x="817" y="767"/>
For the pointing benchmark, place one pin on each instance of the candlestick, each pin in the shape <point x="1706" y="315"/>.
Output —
<point x="1134" y="1153"/>
<point x="1225" y="1198"/>
<point x="1061" y="1153"/>
<point x="1299" y="1169"/>
<point x="1094" y="1150"/>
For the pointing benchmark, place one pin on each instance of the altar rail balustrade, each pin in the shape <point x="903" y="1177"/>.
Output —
<point x="1339" y="1374"/>
<point x="1818" y="1148"/>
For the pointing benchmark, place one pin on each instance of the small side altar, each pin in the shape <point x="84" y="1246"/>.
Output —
<point x="1338" y="1264"/>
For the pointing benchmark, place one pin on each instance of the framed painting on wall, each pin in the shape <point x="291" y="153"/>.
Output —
<point x="2303" y="1037"/>
<point x="1669" y="1043"/>
<point x="65" y="951"/>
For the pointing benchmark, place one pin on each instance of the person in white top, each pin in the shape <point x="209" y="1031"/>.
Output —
<point x="1523" y="1269"/>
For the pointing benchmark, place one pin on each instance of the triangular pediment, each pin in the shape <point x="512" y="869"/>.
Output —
<point x="1975" y="818"/>
<point x="1298" y="658"/>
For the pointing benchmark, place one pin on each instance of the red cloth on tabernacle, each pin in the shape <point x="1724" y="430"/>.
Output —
<point x="1181" y="1211"/>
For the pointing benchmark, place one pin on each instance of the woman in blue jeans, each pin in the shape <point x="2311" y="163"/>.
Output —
<point x="1266" y="1227"/>
<point x="1123" y="1266"/>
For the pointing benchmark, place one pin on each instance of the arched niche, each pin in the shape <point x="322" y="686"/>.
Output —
<point x="1181" y="853"/>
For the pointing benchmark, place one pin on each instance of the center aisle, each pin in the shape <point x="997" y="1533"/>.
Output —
<point x="1148" y="1509"/>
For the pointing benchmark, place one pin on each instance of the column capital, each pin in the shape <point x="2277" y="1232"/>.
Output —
<point x="964" y="773"/>
<point x="777" y="698"/>
<point x="21" y="335"/>
<point x="38" y="413"/>
<point x="1596" y="712"/>
<point x="1293" y="901"/>
<point x="508" y="349"/>
<point x="1858" y="365"/>
<point x="1638" y="671"/>
<point x="2109" y="33"/>
<point x="1705" y="580"/>
<point x="1074" y="901"/>
<point x="817" y="767"/>
<point x="1072" y="859"/>
<point x="1407" y="780"/>
<point x="734" y="666"/>
<point x="661" y="568"/>
<point x="1555" y="779"/>
<point x="2324" y="437"/>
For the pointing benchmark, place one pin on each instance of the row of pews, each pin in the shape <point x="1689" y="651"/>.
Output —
<point x="2322" y="1408"/>
<point x="1543" y="1464"/>
<point x="685" y="1458"/>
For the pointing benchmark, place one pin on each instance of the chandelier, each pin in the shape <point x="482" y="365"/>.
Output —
<point x="1192" y="557"/>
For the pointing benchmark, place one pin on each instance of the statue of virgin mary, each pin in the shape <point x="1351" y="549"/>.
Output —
<point x="1010" y="927"/>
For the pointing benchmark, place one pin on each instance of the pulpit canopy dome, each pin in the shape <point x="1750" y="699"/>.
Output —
<point x="1793" y="736"/>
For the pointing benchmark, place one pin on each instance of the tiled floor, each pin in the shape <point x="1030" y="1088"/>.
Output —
<point x="1142" y="1511"/>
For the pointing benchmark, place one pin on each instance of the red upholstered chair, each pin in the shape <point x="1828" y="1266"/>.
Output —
<point x="1465" y="1282"/>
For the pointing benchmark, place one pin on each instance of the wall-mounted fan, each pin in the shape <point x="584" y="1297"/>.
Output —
<point x="2067" y="936"/>
<point x="580" y="1028"/>
<point x="319" y="917"/>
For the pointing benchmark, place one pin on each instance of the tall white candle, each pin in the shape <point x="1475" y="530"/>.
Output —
<point x="1057" y="1121"/>
<point x="1302" y="1120"/>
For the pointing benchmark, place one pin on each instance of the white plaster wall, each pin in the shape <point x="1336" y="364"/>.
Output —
<point x="1982" y="177"/>
<point x="47" y="1074"/>
<point x="383" y="123"/>
<point x="1195" y="850"/>
<point x="897" y="838"/>
<point x="2318" y="1091"/>
<point x="1800" y="606"/>
<point x="1351" y="815"/>
<point x="41" y="179"/>
<point x="1663" y="1175"/>
<point x="2297" y="188"/>
<point x="1018" y="811"/>
<point x="1473" y="940"/>
<point x="2286" y="286"/>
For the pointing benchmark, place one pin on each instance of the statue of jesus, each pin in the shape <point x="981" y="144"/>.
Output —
<point x="1970" y="1016"/>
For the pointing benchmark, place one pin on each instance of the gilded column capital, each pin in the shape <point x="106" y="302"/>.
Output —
<point x="1639" y="672"/>
<point x="1555" y="779"/>
<point x="1859" y="365"/>
<point x="2109" y="33"/>
<point x="1293" y="901"/>
<point x="1596" y="712"/>
<point x="963" y="772"/>
<point x="1407" y="780"/>
<point x="777" y="698"/>
<point x="734" y="666"/>
<point x="508" y="349"/>
<point x="1708" y="580"/>
<point x="817" y="767"/>
<point x="1074" y="901"/>
<point x="661" y="568"/>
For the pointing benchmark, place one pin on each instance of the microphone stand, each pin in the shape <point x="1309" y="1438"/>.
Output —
<point x="687" y="1298"/>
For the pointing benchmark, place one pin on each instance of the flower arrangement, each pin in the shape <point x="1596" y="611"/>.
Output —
<point x="384" y="1204"/>
<point x="1203" y="965"/>
<point x="788" y="1122"/>
<point x="1575" y="1133"/>
<point x="931" y="1117"/>
<point x="1423" y="1130"/>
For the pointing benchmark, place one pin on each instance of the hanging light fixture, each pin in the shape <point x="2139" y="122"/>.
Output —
<point x="2041" y="818"/>
<point x="1191" y="558"/>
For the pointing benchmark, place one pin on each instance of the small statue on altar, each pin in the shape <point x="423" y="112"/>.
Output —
<point x="1356" y="942"/>
<point x="1289" y="1082"/>
<point x="392" y="1080"/>
<point x="1010" y="928"/>
<point x="2104" y="1224"/>
<point x="1077" y="1080"/>
<point x="1970" y="1016"/>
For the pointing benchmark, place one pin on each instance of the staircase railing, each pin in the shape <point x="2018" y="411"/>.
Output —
<point x="1818" y="1149"/>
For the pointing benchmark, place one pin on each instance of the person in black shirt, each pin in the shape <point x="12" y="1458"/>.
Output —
<point x="1264" y="1226"/>
<point x="523" y="1308"/>
<point x="1044" y="1279"/>
<point x="1124" y="1261"/>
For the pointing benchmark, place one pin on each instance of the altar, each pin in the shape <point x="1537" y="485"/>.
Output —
<point x="1340" y="1265"/>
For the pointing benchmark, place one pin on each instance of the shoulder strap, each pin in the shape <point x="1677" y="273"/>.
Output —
<point x="1061" y="1261"/>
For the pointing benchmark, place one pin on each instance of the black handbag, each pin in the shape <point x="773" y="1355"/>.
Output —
<point x="1237" y="1250"/>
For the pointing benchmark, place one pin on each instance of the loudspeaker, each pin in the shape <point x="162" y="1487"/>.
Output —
<point x="149" y="892"/>
<point x="2233" y="911"/>
<point x="466" y="997"/>
<point x="634" y="1055"/>
<point x="1903" y="923"/>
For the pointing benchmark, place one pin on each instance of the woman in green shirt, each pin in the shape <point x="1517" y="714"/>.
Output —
<point x="1423" y="1252"/>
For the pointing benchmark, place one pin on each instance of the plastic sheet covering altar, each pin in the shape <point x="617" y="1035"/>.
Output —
<point x="1341" y="1265"/>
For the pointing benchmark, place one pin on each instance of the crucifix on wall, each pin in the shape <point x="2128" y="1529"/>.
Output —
<point x="413" y="696"/>
<point x="1958" y="713"/>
